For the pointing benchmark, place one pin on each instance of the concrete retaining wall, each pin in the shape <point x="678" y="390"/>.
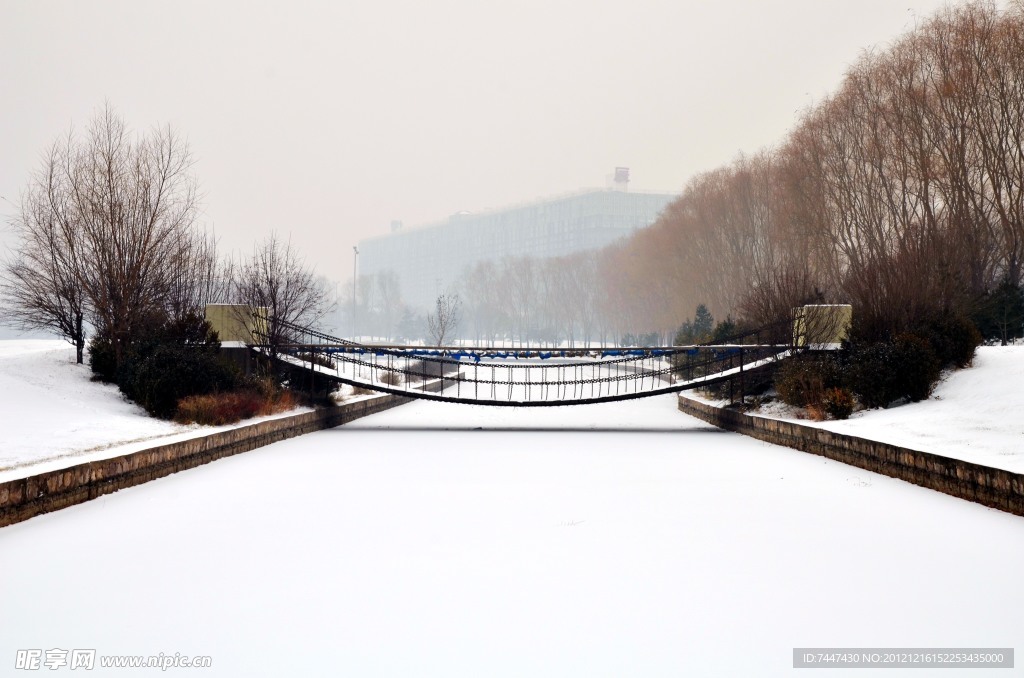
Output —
<point x="27" y="497"/>
<point x="992" y="487"/>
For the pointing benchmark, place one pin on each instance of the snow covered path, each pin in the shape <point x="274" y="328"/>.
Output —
<point x="387" y="549"/>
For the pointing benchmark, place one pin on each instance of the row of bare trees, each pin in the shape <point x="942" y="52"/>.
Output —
<point x="107" y="244"/>
<point x="528" y="299"/>
<point x="380" y="309"/>
<point x="518" y="299"/>
<point x="513" y="299"/>
<point x="902" y="193"/>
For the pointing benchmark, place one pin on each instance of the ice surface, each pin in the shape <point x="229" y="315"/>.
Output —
<point x="390" y="549"/>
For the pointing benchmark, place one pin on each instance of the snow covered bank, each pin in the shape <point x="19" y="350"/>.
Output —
<point x="54" y="416"/>
<point x="53" y="411"/>
<point x="975" y="414"/>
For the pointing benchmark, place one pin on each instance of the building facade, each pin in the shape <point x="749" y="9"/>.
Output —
<point x="429" y="259"/>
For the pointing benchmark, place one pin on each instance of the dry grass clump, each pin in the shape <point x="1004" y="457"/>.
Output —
<point x="218" y="409"/>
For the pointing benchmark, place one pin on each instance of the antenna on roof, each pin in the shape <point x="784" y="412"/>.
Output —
<point x="620" y="182"/>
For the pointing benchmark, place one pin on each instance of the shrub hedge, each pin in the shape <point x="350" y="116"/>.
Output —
<point x="102" y="361"/>
<point x="803" y="379"/>
<point x="953" y="338"/>
<point x="881" y="373"/>
<point x="838" y="402"/>
<point x="175" y="371"/>
<point x="218" y="409"/>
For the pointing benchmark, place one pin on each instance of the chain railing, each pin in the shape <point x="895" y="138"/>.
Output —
<point x="525" y="376"/>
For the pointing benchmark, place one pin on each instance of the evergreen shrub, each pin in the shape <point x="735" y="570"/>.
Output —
<point x="174" y="371"/>
<point x="102" y="361"/>
<point x="881" y="373"/>
<point x="999" y="314"/>
<point x="953" y="338"/>
<point x="802" y="380"/>
<point x="838" y="402"/>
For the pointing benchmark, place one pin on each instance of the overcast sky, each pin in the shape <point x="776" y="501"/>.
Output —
<point x="327" y="120"/>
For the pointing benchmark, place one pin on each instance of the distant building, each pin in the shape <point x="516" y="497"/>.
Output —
<point x="428" y="260"/>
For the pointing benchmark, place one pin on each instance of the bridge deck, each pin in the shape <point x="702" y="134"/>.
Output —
<point x="543" y="388"/>
<point x="521" y="376"/>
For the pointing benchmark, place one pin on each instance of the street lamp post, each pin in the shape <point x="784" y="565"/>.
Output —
<point x="355" y="269"/>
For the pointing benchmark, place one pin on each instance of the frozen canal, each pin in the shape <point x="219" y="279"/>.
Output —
<point x="395" y="547"/>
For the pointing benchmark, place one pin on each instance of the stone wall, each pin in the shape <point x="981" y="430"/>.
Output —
<point x="992" y="487"/>
<point x="27" y="497"/>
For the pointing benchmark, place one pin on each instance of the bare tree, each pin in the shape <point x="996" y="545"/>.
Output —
<point x="106" y="236"/>
<point x="198" y="278"/>
<point x="901" y="194"/>
<point x="40" y="281"/>
<point x="131" y="205"/>
<point x="389" y="299"/>
<point x="276" y="278"/>
<point x="443" y="322"/>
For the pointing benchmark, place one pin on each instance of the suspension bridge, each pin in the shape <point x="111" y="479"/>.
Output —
<point x="521" y="376"/>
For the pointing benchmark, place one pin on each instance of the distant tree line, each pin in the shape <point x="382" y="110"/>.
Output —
<point x="515" y="299"/>
<point x="902" y="193"/>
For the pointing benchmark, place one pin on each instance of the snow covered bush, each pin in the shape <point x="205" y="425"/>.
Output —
<point x="802" y="381"/>
<point x="838" y="403"/>
<point x="953" y="338"/>
<point x="175" y="371"/>
<point x="884" y="372"/>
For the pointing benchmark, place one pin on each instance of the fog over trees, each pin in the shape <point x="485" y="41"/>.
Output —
<point x="276" y="278"/>
<point x="515" y="299"/>
<point x="901" y="194"/>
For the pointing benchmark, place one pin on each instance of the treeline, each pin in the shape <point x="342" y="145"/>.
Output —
<point x="109" y="256"/>
<point x="535" y="300"/>
<point x="902" y="194"/>
<point x="515" y="299"/>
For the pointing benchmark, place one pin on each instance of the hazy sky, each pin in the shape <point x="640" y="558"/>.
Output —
<point x="327" y="120"/>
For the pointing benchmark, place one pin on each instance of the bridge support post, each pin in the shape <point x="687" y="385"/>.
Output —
<point x="732" y="397"/>
<point x="312" y="373"/>
<point x="743" y="390"/>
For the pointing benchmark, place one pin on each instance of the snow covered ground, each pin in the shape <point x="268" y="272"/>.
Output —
<point x="390" y="548"/>
<point x="975" y="414"/>
<point x="52" y="411"/>
<point x="54" y="416"/>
